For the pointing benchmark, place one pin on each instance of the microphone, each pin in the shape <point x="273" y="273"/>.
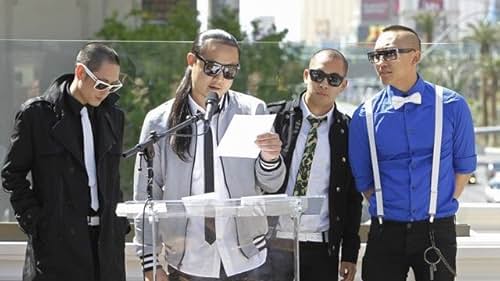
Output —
<point x="211" y="104"/>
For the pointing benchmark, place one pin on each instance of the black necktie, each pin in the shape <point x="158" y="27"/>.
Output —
<point x="209" y="181"/>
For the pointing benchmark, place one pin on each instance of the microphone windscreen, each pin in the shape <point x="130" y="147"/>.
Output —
<point x="212" y="97"/>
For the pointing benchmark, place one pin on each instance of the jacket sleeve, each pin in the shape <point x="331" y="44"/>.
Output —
<point x="268" y="180"/>
<point x="121" y="125"/>
<point x="18" y="164"/>
<point x="143" y="229"/>
<point x="350" y="238"/>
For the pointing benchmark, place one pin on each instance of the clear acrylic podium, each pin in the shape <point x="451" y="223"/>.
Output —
<point x="179" y="227"/>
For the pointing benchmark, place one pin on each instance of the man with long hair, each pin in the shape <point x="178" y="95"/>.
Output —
<point x="184" y="165"/>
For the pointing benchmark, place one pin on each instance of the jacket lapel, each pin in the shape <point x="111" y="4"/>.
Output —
<point x="106" y="138"/>
<point x="106" y="133"/>
<point x="64" y="132"/>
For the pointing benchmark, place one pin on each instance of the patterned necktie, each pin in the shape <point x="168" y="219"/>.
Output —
<point x="89" y="158"/>
<point x="209" y="181"/>
<point x="307" y="158"/>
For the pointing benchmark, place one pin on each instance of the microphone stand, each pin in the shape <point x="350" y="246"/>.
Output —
<point x="146" y="151"/>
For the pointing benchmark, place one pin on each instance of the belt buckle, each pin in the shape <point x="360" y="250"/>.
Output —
<point x="313" y="237"/>
<point x="93" y="220"/>
<point x="306" y="236"/>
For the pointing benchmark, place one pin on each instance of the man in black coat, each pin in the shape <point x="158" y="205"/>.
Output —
<point x="314" y="135"/>
<point x="70" y="139"/>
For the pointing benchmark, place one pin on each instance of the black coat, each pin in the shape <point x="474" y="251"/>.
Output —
<point x="344" y="200"/>
<point x="53" y="210"/>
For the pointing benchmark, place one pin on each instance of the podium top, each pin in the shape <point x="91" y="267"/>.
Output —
<point x="265" y="205"/>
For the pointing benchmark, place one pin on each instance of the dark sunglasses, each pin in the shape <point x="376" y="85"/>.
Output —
<point x="387" y="54"/>
<point x="318" y="75"/>
<point x="213" y="68"/>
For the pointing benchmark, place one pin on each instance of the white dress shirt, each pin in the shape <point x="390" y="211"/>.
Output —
<point x="202" y="259"/>
<point x="319" y="179"/>
<point x="89" y="158"/>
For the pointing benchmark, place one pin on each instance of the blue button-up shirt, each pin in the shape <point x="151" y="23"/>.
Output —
<point x="404" y="140"/>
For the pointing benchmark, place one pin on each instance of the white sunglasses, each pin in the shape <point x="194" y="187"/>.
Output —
<point x="99" y="84"/>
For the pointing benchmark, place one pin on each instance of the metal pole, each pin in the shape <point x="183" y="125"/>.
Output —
<point x="296" y="229"/>
<point x="153" y="219"/>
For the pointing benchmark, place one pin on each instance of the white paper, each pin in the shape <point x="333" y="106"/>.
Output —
<point x="240" y="136"/>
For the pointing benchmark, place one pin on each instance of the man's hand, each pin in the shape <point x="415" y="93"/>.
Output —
<point x="270" y="146"/>
<point x="161" y="275"/>
<point x="368" y="193"/>
<point x="347" y="271"/>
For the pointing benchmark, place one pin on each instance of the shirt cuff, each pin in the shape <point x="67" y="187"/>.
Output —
<point x="364" y="183"/>
<point x="147" y="262"/>
<point x="269" y="166"/>
<point x="465" y="165"/>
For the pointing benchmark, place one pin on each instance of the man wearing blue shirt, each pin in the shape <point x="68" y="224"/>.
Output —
<point x="412" y="151"/>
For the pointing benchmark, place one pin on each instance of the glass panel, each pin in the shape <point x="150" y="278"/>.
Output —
<point x="253" y="234"/>
<point x="270" y="71"/>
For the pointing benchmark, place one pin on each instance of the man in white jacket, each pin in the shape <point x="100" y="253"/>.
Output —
<point x="183" y="167"/>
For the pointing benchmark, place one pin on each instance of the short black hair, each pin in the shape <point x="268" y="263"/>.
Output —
<point x="94" y="54"/>
<point x="333" y="53"/>
<point x="397" y="27"/>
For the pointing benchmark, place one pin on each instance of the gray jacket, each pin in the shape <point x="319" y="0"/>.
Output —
<point x="173" y="177"/>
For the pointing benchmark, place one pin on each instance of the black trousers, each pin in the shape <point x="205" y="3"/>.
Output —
<point x="94" y="240"/>
<point x="316" y="263"/>
<point x="394" y="247"/>
<point x="258" y="274"/>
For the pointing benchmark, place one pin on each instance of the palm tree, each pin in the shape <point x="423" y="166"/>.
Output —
<point x="486" y="35"/>
<point x="494" y="73"/>
<point x="425" y="22"/>
<point x="451" y="73"/>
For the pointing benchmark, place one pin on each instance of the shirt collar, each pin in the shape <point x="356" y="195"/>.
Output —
<point x="74" y="105"/>
<point x="306" y="112"/>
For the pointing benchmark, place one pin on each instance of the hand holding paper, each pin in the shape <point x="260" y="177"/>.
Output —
<point x="270" y="146"/>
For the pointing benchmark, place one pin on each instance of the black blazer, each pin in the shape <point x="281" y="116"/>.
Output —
<point x="53" y="209"/>
<point x="344" y="199"/>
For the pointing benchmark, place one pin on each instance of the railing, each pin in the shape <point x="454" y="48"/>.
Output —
<point x="478" y="254"/>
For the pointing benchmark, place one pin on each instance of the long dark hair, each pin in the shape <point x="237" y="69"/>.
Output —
<point x="180" y="108"/>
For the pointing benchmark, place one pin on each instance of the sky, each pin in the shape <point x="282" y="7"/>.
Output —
<point x="285" y="12"/>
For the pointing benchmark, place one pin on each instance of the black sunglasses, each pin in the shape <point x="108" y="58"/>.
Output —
<point x="387" y="54"/>
<point x="213" y="68"/>
<point x="318" y="75"/>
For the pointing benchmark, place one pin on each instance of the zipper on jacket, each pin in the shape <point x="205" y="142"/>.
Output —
<point x="190" y="193"/>
<point x="222" y="162"/>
